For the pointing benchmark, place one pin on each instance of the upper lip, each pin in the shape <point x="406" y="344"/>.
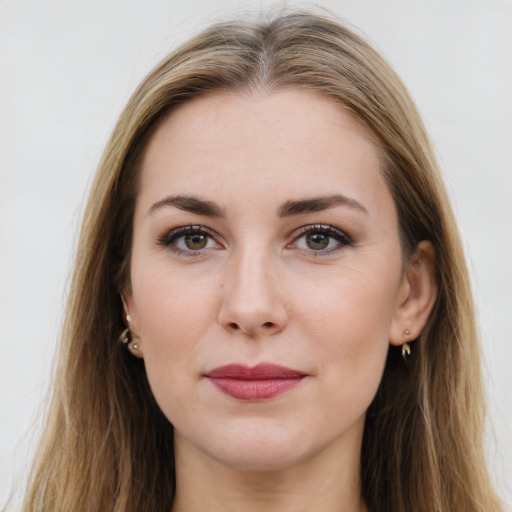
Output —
<point x="263" y="371"/>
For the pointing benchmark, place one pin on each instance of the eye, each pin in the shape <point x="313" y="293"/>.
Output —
<point x="320" y="238"/>
<point x="193" y="242"/>
<point x="189" y="240"/>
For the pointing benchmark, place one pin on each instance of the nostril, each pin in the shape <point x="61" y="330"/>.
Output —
<point x="268" y="324"/>
<point x="233" y="325"/>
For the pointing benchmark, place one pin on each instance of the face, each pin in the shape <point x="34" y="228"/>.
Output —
<point x="266" y="276"/>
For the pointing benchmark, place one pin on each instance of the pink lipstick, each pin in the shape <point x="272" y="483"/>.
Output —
<point x="260" y="382"/>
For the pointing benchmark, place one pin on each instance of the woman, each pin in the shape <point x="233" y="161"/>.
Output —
<point x="270" y="308"/>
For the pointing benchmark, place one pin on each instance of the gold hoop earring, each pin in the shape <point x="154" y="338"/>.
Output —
<point x="406" y="350"/>
<point x="125" y="336"/>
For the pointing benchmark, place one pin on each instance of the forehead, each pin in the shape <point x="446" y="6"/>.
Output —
<point x="273" y="145"/>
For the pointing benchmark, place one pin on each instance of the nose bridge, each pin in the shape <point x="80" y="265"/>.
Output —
<point x="252" y="300"/>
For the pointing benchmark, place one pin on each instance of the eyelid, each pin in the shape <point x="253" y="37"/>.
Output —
<point x="172" y="234"/>
<point x="327" y="228"/>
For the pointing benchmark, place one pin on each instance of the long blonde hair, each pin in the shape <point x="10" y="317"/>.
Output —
<point x="107" y="446"/>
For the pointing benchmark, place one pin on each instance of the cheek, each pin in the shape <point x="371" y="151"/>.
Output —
<point x="352" y="307"/>
<point x="348" y="319"/>
<point x="173" y="317"/>
<point x="172" y="306"/>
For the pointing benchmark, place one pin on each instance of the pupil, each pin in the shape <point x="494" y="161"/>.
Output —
<point x="317" y="241"/>
<point x="196" y="241"/>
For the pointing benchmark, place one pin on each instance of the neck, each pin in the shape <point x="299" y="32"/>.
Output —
<point x="329" y="481"/>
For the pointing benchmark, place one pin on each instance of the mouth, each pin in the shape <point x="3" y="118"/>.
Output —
<point x="257" y="383"/>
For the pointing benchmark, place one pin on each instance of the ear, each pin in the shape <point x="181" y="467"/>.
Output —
<point x="132" y="321"/>
<point x="417" y="295"/>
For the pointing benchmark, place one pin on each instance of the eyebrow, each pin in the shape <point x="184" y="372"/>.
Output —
<point x="210" y="209"/>
<point x="317" y="204"/>
<point x="190" y="204"/>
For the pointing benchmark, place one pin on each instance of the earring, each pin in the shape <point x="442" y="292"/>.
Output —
<point x="406" y="348"/>
<point x="126" y="336"/>
<point x="127" y="315"/>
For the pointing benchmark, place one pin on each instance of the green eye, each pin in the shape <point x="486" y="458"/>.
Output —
<point x="190" y="240"/>
<point x="317" y="241"/>
<point x="321" y="239"/>
<point x="196" y="241"/>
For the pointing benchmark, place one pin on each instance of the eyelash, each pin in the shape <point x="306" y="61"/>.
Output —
<point x="170" y="238"/>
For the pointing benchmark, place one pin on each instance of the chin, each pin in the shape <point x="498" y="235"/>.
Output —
<point x="267" y="446"/>
<point x="260" y="456"/>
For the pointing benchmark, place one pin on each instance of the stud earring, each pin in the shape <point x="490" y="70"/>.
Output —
<point x="135" y="346"/>
<point x="127" y="315"/>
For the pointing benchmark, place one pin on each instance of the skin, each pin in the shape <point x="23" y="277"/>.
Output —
<point x="258" y="292"/>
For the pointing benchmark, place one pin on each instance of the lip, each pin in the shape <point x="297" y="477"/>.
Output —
<point x="261" y="382"/>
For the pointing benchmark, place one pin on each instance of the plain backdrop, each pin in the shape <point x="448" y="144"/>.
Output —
<point x="68" y="67"/>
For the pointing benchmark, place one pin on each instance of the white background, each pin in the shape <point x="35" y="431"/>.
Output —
<point x="68" y="67"/>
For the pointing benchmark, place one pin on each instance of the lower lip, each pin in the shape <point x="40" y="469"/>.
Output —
<point x="255" y="390"/>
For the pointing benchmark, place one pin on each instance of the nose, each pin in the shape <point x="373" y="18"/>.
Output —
<point x="253" y="296"/>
